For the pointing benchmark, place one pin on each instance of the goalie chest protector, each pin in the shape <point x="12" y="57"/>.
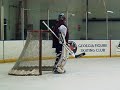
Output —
<point x="56" y="31"/>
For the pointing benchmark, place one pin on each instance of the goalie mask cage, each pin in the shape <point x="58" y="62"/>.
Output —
<point x="36" y="56"/>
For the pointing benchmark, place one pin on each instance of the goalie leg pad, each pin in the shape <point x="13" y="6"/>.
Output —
<point x="61" y="60"/>
<point x="59" y="70"/>
<point x="59" y="64"/>
<point x="61" y="57"/>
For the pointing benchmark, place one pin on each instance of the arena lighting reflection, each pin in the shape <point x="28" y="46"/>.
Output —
<point x="110" y="11"/>
<point x="89" y="13"/>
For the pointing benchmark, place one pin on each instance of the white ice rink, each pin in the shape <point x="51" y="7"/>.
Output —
<point x="82" y="74"/>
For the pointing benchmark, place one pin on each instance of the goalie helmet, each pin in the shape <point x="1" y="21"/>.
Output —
<point x="61" y="17"/>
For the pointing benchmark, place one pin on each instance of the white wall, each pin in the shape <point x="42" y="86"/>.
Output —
<point x="1" y="50"/>
<point x="11" y="50"/>
<point x="115" y="44"/>
<point x="92" y="48"/>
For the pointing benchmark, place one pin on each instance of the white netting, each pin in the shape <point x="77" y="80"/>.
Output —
<point x="28" y="62"/>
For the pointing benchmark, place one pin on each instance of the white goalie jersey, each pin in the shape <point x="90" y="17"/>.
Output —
<point x="63" y="30"/>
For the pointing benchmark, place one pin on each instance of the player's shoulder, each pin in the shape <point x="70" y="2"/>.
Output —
<point x="62" y="26"/>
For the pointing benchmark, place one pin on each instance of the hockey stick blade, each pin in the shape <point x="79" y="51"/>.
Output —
<point x="79" y="55"/>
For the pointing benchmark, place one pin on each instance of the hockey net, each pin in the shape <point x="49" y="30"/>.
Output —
<point x="36" y="56"/>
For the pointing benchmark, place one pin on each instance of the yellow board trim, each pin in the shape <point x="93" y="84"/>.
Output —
<point x="8" y="60"/>
<point x="47" y="58"/>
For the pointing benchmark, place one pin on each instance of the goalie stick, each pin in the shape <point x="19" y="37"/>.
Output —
<point x="66" y="47"/>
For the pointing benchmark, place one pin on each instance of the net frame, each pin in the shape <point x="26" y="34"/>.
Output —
<point x="40" y="68"/>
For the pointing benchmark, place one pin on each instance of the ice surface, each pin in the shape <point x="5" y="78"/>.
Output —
<point x="82" y="74"/>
